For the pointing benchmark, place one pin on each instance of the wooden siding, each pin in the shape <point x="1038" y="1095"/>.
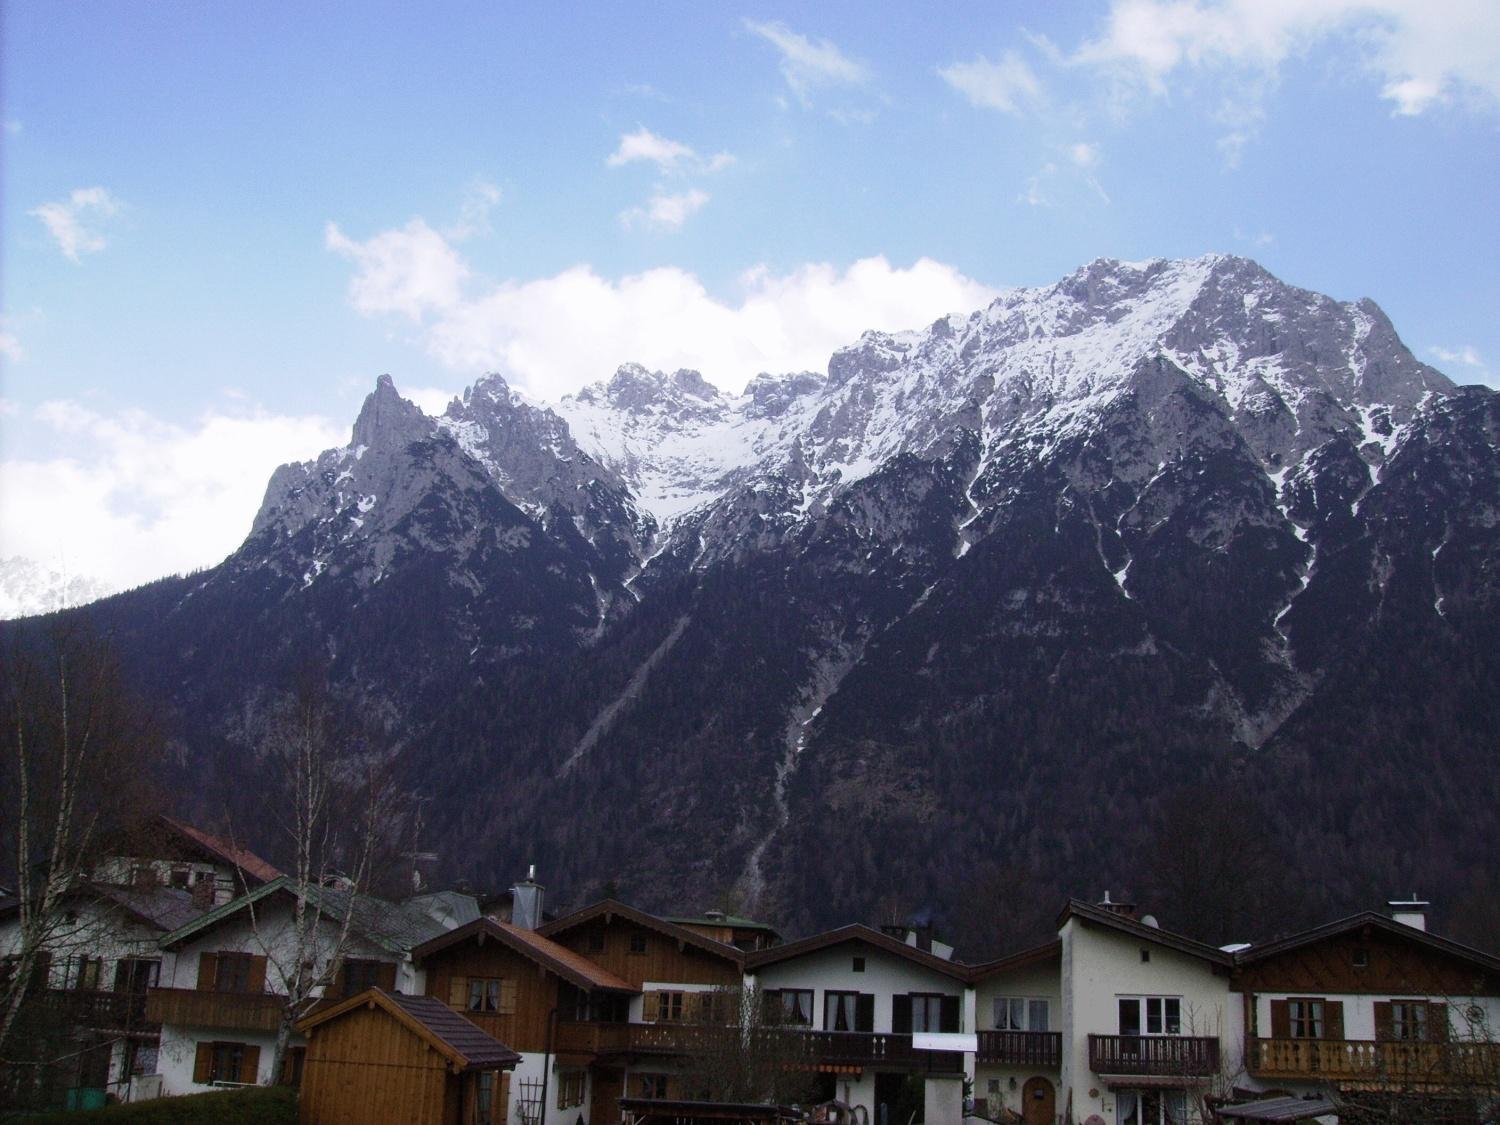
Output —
<point x="525" y="1029"/>
<point x="1393" y="968"/>
<point x="365" y="1066"/>
<point x="236" y="1011"/>
<point x="663" y="960"/>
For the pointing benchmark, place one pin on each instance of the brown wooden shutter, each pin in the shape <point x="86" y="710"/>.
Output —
<point x="500" y="1108"/>
<point x="901" y="1014"/>
<point x="203" y="1062"/>
<point x="650" y="1006"/>
<point x="1281" y="1020"/>
<point x="336" y="985"/>
<point x="1333" y="1019"/>
<point x="1437" y="1022"/>
<point x="864" y="1012"/>
<point x="208" y="971"/>
<point x="692" y="1007"/>
<point x="458" y="992"/>
<point x="1384" y="1031"/>
<point x="385" y="976"/>
<point x="506" y="1004"/>
<point x="250" y="1065"/>
<point x="257" y="981"/>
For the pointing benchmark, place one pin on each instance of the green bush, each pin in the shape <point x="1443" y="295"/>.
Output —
<point x="249" y="1106"/>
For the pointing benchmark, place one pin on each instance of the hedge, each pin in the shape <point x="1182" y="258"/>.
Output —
<point x="274" y="1105"/>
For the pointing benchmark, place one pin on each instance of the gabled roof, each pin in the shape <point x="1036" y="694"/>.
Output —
<point x="164" y="908"/>
<point x="727" y="921"/>
<point x="392" y="926"/>
<point x="572" y="967"/>
<point x="861" y="934"/>
<point x="457" y="1039"/>
<point x="1372" y="919"/>
<point x="609" y="908"/>
<point x="1026" y="957"/>
<point x="226" y="851"/>
<point x="1087" y="911"/>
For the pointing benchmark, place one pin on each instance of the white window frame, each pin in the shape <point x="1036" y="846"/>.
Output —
<point x="1004" y="1006"/>
<point x="1144" y="1015"/>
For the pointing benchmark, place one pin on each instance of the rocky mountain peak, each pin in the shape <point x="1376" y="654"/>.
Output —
<point x="388" y="421"/>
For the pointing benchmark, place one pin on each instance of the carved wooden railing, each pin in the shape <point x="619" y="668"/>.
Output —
<point x="1187" y="1055"/>
<point x="1023" y="1048"/>
<point x="1363" y="1058"/>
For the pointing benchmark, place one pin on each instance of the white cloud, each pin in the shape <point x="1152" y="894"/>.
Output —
<point x="75" y="222"/>
<point x="1084" y="154"/>
<point x="806" y="64"/>
<point x="479" y="200"/>
<point x="10" y="343"/>
<point x="130" y="497"/>
<point x="1422" y="51"/>
<point x="410" y="271"/>
<point x="1008" y="85"/>
<point x="665" y="211"/>
<point x="1465" y="356"/>
<point x="668" y="155"/>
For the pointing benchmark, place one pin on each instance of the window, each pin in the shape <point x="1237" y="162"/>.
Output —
<point x="86" y="973"/>
<point x="232" y="973"/>
<point x="360" y="974"/>
<point x="839" y="1011"/>
<point x="1361" y="958"/>
<point x="1409" y="1021"/>
<point x="1306" y="1019"/>
<point x="668" y="1007"/>
<point x="491" y="995"/>
<point x="637" y="943"/>
<point x="1145" y="956"/>
<point x="570" y="1088"/>
<point x="136" y="974"/>
<point x="180" y="878"/>
<point x="228" y="1062"/>
<point x="926" y="1011"/>
<point x="859" y="964"/>
<point x="596" y="943"/>
<point x="790" y="1006"/>
<point x="651" y="1085"/>
<point x="1163" y="1015"/>
<point x="1018" y="1013"/>
<point x="1150" y="1107"/>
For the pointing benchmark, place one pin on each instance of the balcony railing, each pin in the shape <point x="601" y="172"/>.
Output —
<point x="100" y="1009"/>
<point x="834" y="1048"/>
<point x="1165" y="1055"/>
<point x="236" y="1011"/>
<point x="1023" y="1048"/>
<point x="1366" y="1059"/>
<point x="618" y="1038"/>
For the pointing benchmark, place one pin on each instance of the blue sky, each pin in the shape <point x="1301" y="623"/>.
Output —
<point x="219" y="222"/>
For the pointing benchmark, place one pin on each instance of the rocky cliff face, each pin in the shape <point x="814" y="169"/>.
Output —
<point x="987" y="593"/>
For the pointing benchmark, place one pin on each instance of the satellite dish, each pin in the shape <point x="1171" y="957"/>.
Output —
<point x="1150" y="920"/>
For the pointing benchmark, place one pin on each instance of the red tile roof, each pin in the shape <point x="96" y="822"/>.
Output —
<point x="573" y="967"/>
<point x="242" y="858"/>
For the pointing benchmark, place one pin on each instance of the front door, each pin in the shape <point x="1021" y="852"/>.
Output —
<point x="609" y="1084"/>
<point x="1038" y="1102"/>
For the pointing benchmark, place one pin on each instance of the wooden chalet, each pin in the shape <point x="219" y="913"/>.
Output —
<point x="384" y="1056"/>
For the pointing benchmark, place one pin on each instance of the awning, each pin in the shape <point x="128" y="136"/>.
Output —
<point x="1277" y="1109"/>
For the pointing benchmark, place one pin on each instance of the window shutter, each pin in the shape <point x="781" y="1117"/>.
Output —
<point x="458" y="992"/>
<point x="203" y="1062"/>
<point x="507" y="999"/>
<point x="500" y="1108"/>
<point x="864" y="1012"/>
<point x="1333" y="1023"/>
<point x="257" y="981"/>
<point x="208" y="971"/>
<point x="1437" y="1022"/>
<point x="692" y="1007"/>
<point x="250" y="1065"/>
<point x="1383" y="1029"/>
<point x="948" y="1014"/>
<point x="1281" y="1020"/>
<point x="901" y="1014"/>
<point x="385" y="976"/>
<point x="337" y="984"/>
<point x="650" y="1006"/>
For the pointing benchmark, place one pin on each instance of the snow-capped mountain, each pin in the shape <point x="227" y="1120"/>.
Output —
<point x="27" y="587"/>
<point x="995" y="591"/>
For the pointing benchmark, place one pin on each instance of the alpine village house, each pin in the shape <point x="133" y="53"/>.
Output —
<point x="173" y="976"/>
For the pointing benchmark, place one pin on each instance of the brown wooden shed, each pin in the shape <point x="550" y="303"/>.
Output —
<point x="384" y="1056"/>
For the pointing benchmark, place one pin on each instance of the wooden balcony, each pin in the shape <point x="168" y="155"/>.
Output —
<point x="235" y="1011"/>
<point x="833" y="1048"/>
<point x="879" y="1048"/>
<point x="1040" y="1049"/>
<point x="1187" y="1056"/>
<point x="600" y="1038"/>
<point x="1362" y="1059"/>
<point x="101" y="1009"/>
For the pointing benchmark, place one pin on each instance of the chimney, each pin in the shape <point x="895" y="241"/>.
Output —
<point x="1123" y="909"/>
<point x="526" y="901"/>
<point x="203" y="893"/>
<point x="1410" y="911"/>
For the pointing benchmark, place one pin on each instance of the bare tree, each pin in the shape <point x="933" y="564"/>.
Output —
<point x="740" y="1050"/>
<point x="332" y="802"/>
<point x="77" y="751"/>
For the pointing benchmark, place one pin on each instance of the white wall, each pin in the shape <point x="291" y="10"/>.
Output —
<point x="179" y="1051"/>
<point x="1101" y="965"/>
<point x="885" y="975"/>
<point x="1040" y="981"/>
